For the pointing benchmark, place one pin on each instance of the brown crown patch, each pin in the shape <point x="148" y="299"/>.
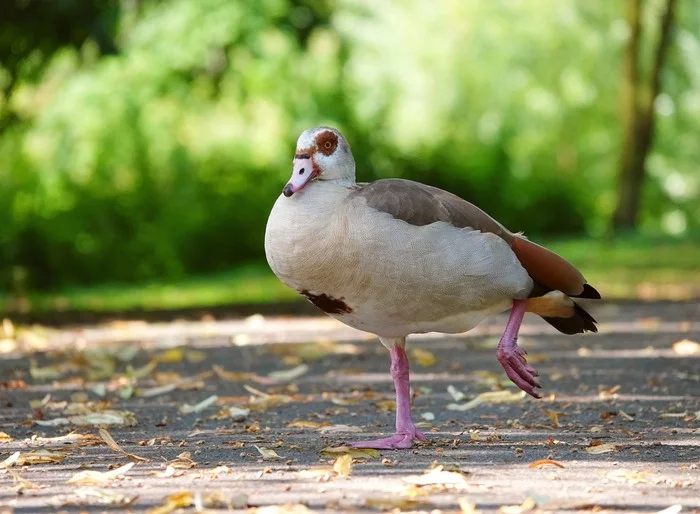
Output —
<point x="327" y="142"/>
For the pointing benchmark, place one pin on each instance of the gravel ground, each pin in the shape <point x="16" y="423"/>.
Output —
<point x="236" y="415"/>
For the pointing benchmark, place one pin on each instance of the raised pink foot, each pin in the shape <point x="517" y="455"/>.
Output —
<point x="512" y="357"/>
<point x="400" y="440"/>
<point x="406" y="431"/>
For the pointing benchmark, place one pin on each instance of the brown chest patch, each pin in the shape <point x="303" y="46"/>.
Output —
<point x="326" y="303"/>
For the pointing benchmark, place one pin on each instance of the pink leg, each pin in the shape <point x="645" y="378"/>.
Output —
<point x="512" y="357"/>
<point x="406" y="431"/>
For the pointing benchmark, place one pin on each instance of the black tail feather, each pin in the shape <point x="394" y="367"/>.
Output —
<point x="579" y="323"/>
<point x="589" y="292"/>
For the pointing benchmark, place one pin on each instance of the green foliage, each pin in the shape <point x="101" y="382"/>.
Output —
<point x="157" y="149"/>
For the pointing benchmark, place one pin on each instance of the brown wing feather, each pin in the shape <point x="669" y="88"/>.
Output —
<point x="548" y="268"/>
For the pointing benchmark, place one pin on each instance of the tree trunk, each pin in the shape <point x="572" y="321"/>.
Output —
<point x="638" y="114"/>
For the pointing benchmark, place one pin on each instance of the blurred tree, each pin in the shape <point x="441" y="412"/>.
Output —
<point x="639" y="95"/>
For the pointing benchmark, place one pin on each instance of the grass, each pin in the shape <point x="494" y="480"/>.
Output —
<point x="629" y="268"/>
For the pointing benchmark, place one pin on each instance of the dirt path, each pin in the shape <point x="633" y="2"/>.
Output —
<point x="619" y="425"/>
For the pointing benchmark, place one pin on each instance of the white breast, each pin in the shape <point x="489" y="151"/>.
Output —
<point x="395" y="278"/>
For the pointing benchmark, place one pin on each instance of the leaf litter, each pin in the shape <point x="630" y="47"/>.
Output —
<point x="107" y="438"/>
<point x="91" y="477"/>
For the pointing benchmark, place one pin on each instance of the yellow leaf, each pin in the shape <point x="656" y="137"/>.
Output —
<point x="171" y="355"/>
<point x="40" y="457"/>
<point x="22" y="483"/>
<point x="686" y="347"/>
<point x="386" y="405"/>
<point x="423" y="357"/>
<point x="596" y="449"/>
<point x="179" y="500"/>
<point x="266" y="453"/>
<point x="90" y="477"/>
<point x="343" y="465"/>
<point x="554" y="416"/>
<point x="107" y="438"/>
<point x="5" y="437"/>
<point x="195" y="356"/>
<point x="489" y="397"/>
<point x="232" y="376"/>
<point x="544" y="462"/>
<point x="355" y="453"/>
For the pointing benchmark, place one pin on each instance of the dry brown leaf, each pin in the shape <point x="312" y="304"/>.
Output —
<point x="5" y="437"/>
<point x="267" y="454"/>
<point x="320" y="473"/>
<point x="232" y="376"/>
<point x="40" y="457"/>
<point x="386" y="405"/>
<point x="300" y="423"/>
<point x="554" y="416"/>
<point x="263" y="401"/>
<point x="686" y="347"/>
<point x="208" y="402"/>
<point x="155" y="391"/>
<point x="339" y="429"/>
<point x="423" y="357"/>
<point x="107" y="438"/>
<point x="528" y="505"/>
<point x="489" y="397"/>
<point x="596" y="449"/>
<point x="545" y="462"/>
<point x="179" y="500"/>
<point x="355" y="453"/>
<point x="90" y="477"/>
<point x="343" y="465"/>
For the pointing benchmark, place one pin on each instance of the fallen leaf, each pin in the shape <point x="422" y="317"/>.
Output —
<point x="387" y="503"/>
<point x="438" y="476"/>
<point x="179" y="500"/>
<point x="670" y="415"/>
<point x="339" y="429"/>
<point x="267" y="454"/>
<point x="428" y="416"/>
<point x="10" y="460"/>
<point x="528" y="505"/>
<point x="170" y="356"/>
<point x="5" y="437"/>
<point x="628" y="476"/>
<point x="467" y="506"/>
<point x="155" y="391"/>
<point x="289" y="374"/>
<point x="88" y="497"/>
<point x="263" y="401"/>
<point x="300" y="423"/>
<point x="343" y="465"/>
<point x="289" y="508"/>
<point x="456" y="395"/>
<point x="21" y="483"/>
<point x="40" y="457"/>
<point x="233" y="413"/>
<point x="554" y="416"/>
<point x="489" y="397"/>
<point x="355" y="453"/>
<point x="423" y="357"/>
<point x="195" y="356"/>
<point x="673" y="509"/>
<point x="686" y="347"/>
<point x="208" y="402"/>
<point x="107" y="438"/>
<point x="596" y="449"/>
<point x="90" y="477"/>
<point x="386" y="405"/>
<point x="544" y="462"/>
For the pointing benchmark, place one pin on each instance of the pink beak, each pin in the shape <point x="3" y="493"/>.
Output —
<point x="302" y="174"/>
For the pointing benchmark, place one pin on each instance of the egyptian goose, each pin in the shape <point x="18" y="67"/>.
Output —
<point x="395" y="257"/>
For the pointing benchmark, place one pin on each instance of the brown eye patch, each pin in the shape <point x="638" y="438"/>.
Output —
<point x="327" y="142"/>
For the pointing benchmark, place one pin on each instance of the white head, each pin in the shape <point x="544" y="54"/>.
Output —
<point x="322" y="153"/>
